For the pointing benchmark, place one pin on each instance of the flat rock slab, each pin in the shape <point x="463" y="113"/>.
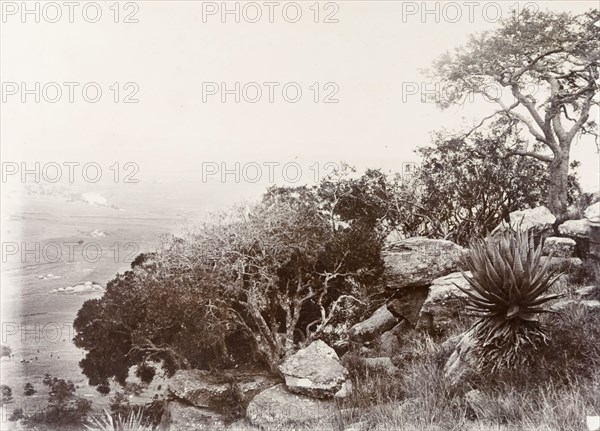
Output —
<point x="277" y="408"/>
<point x="203" y="389"/>
<point x="184" y="417"/>
<point x="418" y="261"/>
<point x="537" y="219"/>
<point x="314" y="371"/>
<point x="576" y="228"/>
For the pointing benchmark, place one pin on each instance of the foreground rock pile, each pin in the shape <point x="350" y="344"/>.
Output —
<point x="423" y="276"/>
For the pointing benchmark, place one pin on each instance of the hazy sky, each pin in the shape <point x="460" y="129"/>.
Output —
<point x="369" y="57"/>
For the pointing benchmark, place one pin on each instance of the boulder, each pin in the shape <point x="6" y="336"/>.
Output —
<point x="592" y="213"/>
<point x="276" y="408"/>
<point x="576" y="228"/>
<point x="538" y="219"/>
<point x="560" y="247"/>
<point x="348" y="312"/>
<point x="180" y="416"/>
<point x="418" y="261"/>
<point x="379" y="322"/>
<point x="462" y="363"/>
<point x="314" y="371"/>
<point x="205" y="389"/>
<point x="444" y="302"/>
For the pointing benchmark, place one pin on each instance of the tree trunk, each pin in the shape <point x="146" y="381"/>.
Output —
<point x="559" y="185"/>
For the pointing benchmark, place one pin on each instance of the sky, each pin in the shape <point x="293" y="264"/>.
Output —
<point x="179" y="135"/>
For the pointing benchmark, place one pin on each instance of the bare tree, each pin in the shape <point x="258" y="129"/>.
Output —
<point x="555" y="56"/>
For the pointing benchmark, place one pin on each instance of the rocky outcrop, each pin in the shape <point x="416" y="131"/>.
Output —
<point x="444" y="302"/>
<point x="276" y="408"/>
<point x="462" y="364"/>
<point x="592" y="213"/>
<point x="538" y="220"/>
<point x="181" y="416"/>
<point x="207" y="390"/>
<point x="314" y="371"/>
<point x="418" y="261"/>
<point x="576" y="228"/>
<point x="559" y="247"/>
<point x="379" y="322"/>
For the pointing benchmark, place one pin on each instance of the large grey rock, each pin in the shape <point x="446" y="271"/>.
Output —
<point x="205" y="389"/>
<point x="314" y="371"/>
<point x="276" y="408"/>
<point x="444" y="302"/>
<point x="559" y="246"/>
<point x="380" y="321"/>
<point x="537" y="219"/>
<point x="418" y="261"/>
<point x="592" y="213"/>
<point x="180" y="416"/>
<point x="576" y="228"/>
<point x="462" y="363"/>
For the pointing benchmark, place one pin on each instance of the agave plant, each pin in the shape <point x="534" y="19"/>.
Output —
<point x="133" y="422"/>
<point x="509" y="291"/>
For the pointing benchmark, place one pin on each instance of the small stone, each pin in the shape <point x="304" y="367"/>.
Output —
<point x="345" y="391"/>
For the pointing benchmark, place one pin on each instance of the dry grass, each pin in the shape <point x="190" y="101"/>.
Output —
<point x="558" y="394"/>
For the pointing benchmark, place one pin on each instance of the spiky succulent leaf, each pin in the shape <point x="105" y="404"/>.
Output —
<point x="508" y="290"/>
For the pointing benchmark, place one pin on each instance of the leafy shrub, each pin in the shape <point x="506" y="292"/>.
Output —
<point x="6" y="395"/>
<point x="249" y="287"/>
<point x="509" y="290"/>
<point x="28" y="389"/>
<point x="64" y="407"/>
<point x="5" y="350"/>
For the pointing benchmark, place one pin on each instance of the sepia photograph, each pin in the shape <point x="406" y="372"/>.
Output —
<point x="311" y="215"/>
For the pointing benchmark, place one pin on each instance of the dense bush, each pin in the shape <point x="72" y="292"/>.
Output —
<point x="28" y="389"/>
<point x="6" y="395"/>
<point x="251" y="286"/>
